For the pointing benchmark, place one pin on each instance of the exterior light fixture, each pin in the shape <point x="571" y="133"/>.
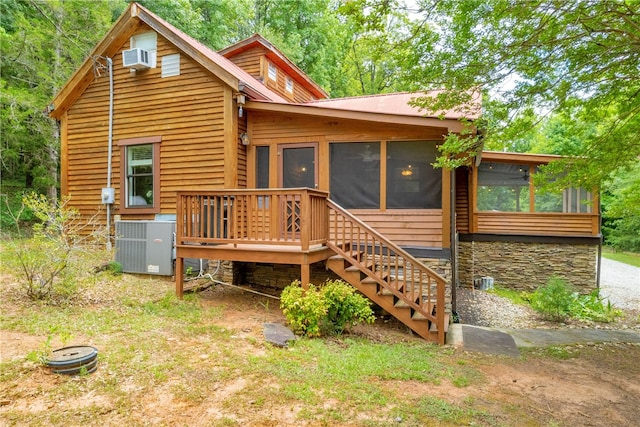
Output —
<point x="240" y="99"/>
<point x="244" y="137"/>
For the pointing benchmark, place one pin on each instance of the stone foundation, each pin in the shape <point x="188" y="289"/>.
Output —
<point x="527" y="266"/>
<point x="278" y="276"/>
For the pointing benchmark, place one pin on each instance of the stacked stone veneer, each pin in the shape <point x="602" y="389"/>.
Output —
<point x="278" y="276"/>
<point x="527" y="266"/>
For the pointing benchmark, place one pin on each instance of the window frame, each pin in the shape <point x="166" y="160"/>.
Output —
<point x="123" y="144"/>
<point x="570" y="204"/>
<point x="378" y="198"/>
<point x="272" y="66"/>
<point x="288" y="85"/>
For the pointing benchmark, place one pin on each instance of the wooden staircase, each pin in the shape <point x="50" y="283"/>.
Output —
<point x="388" y="275"/>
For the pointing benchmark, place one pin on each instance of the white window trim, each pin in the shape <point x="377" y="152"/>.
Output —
<point x="272" y="71"/>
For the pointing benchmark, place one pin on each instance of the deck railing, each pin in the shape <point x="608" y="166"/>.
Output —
<point x="391" y="267"/>
<point x="296" y="217"/>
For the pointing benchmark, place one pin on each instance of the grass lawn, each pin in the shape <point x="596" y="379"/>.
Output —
<point x="625" y="257"/>
<point x="204" y="361"/>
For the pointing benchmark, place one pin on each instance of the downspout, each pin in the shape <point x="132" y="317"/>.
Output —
<point x="453" y="240"/>
<point x="110" y="149"/>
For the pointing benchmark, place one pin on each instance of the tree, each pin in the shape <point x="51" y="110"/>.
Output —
<point x="309" y="33"/>
<point x="380" y="52"/>
<point x="578" y="56"/>
<point x="42" y="43"/>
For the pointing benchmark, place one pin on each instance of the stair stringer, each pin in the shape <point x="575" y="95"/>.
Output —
<point x="415" y="317"/>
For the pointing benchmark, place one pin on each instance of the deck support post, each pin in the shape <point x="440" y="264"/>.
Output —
<point x="179" y="276"/>
<point x="305" y="275"/>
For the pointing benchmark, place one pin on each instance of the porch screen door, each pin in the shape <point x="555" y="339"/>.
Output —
<point x="298" y="165"/>
<point x="297" y="169"/>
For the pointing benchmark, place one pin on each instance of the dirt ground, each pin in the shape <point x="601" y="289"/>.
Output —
<point x="587" y="385"/>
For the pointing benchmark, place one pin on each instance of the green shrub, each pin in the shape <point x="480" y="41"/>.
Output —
<point x="554" y="300"/>
<point x="51" y="260"/>
<point x="592" y="307"/>
<point x="324" y="310"/>
<point x="557" y="301"/>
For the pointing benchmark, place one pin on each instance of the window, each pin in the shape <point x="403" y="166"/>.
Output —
<point x="288" y="85"/>
<point x="503" y="187"/>
<point x="273" y="72"/>
<point x="146" y="41"/>
<point x="355" y="174"/>
<point x="262" y="167"/>
<point x="576" y="200"/>
<point x="412" y="183"/>
<point x="506" y="187"/>
<point x="140" y="174"/>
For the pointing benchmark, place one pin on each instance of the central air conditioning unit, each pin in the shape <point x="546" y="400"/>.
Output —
<point x="138" y="59"/>
<point x="146" y="247"/>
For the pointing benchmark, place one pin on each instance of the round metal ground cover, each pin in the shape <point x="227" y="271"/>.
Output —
<point x="72" y="360"/>
<point x="88" y="368"/>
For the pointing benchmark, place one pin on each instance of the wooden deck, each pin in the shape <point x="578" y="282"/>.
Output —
<point x="284" y="226"/>
<point x="303" y="227"/>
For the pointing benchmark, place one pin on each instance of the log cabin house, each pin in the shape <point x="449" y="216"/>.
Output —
<point x="238" y="156"/>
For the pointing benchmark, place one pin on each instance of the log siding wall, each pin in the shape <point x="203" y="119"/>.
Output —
<point x="185" y="110"/>
<point x="255" y="62"/>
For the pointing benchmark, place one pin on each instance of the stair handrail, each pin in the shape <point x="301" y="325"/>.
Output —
<point x="415" y="263"/>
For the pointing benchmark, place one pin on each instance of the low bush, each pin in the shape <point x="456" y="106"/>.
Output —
<point x="557" y="301"/>
<point x="53" y="258"/>
<point x="324" y="310"/>
<point x="554" y="300"/>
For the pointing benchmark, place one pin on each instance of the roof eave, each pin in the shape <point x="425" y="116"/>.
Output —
<point x="275" y="55"/>
<point x="121" y="29"/>
<point x="450" y="125"/>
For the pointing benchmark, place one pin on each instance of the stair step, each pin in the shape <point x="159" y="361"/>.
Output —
<point x="368" y="280"/>
<point x="392" y="285"/>
<point x="434" y="327"/>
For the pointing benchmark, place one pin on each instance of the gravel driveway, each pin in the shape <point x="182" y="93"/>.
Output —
<point x="620" y="283"/>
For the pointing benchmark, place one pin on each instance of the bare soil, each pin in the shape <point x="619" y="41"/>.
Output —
<point x="587" y="385"/>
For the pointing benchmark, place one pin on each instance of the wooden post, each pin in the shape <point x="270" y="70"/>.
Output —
<point x="179" y="276"/>
<point x="305" y="275"/>
<point x="305" y="219"/>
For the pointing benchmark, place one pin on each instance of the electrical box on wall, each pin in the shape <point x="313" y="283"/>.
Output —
<point x="108" y="196"/>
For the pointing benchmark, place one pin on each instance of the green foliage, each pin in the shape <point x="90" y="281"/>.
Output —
<point x="42" y="44"/>
<point x="517" y="297"/>
<point x="554" y="300"/>
<point x="557" y="301"/>
<point x="324" y="310"/>
<point x="344" y="307"/>
<point x="114" y="267"/>
<point x="592" y="307"/>
<point x="621" y="205"/>
<point x="51" y="259"/>
<point x="459" y="149"/>
<point x="536" y="58"/>
<point x="625" y="257"/>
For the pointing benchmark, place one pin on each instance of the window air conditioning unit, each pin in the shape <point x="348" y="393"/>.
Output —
<point x="138" y="59"/>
